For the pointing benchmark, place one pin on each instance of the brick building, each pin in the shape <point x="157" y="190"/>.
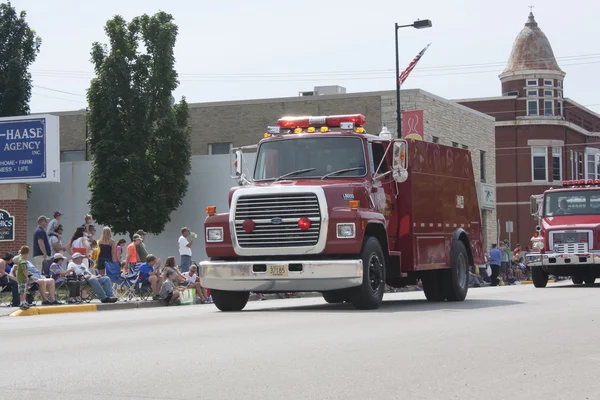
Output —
<point x="216" y="127"/>
<point x="542" y="137"/>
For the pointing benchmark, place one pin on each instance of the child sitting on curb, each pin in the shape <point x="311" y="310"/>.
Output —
<point x="168" y="292"/>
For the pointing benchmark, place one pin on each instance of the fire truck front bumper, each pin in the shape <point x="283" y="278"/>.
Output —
<point x="552" y="259"/>
<point x="533" y="259"/>
<point x="281" y="276"/>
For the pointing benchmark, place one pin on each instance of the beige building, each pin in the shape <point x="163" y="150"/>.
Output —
<point x="216" y="127"/>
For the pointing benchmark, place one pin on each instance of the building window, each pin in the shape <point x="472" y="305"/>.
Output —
<point x="435" y="139"/>
<point x="539" y="162"/>
<point x="482" y="165"/>
<point x="557" y="164"/>
<point x="532" y="82"/>
<point x="591" y="166"/>
<point x="560" y="108"/>
<point x="219" y="148"/>
<point x="548" y="82"/>
<point x="532" y="107"/>
<point x="532" y="93"/>
<point x="548" y="93"/>
<point x="560" y="83"/>
<point x="549" y="107"/>
<point x="511" y="93"/>
<point x="71" y="156"/>
<point x="572" y="165"/>
<point x="580" y="171"/>
<point x="560" y="94"/>
<point x="465" y="147"/>
<point x="454" y="144"/>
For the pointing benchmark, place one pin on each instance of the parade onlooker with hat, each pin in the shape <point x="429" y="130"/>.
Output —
<point x="132" y="258"/>
<point x="41" y="245"/>
<point x="54" y="223"/>
<point x="60" y="274"/>
<point x="101" y="285"/>
<point x="140" y="247"/>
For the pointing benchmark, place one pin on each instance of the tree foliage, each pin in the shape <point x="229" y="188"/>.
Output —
<point x="139" y="139"/>
<point x="19" y="47"/>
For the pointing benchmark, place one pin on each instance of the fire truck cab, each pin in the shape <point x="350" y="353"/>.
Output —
<point x="567" y="238"/>
<point x="332" y="209"/>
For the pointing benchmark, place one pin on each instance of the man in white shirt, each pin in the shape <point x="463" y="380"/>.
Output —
<point x="101" y="285"/>
<point x="185" y="249"/>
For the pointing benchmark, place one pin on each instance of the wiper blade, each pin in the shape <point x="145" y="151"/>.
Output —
<point x="341" y="171"/>
<point x="300" y="171"/>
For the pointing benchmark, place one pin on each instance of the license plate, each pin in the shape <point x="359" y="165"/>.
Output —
<point x="277" y="270"/>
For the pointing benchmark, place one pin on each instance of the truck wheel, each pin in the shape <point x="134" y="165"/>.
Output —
<point x="539" y="276"/>
<point x="456" y="280"/>
<point x="590" y="280"/>
<point x="432" y="285"/>
<point x="369" y="294"/>
<point x="335" y="296"/>
<point x="577" y="280"/>
<point x="229" y="301"/>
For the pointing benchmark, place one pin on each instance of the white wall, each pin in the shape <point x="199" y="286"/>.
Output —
<point x="209" y="184"/>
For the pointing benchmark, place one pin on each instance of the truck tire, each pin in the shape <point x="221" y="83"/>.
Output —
<point x="369" y="295"/>
<point x="229" y="301"/>
<point x="539" y="276"/>
<point x="336" y="296"/>
<point x="590" y="280"/>
<point x="432" y="285"/>
<point x="577" y="280"/>
<point x="455" y="280"/>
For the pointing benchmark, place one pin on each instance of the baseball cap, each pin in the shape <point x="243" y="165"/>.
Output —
<point x="137" y="237"/>
<point x="76" y="256"/>
<point x="141" y="233"/>
<point x="57" y="256"/>
<point x="57" y="214"/>
<point x="42" y="218"/>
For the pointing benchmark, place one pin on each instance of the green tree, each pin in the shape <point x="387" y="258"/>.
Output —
<point x="19" y="47"/>
<point x="139" y="139"/>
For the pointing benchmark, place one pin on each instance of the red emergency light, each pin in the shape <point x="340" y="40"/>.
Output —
<point x="331" y="121"/>
<point x="582" y="182"/>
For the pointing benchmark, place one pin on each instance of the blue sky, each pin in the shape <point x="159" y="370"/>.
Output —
<point x="261" y="49"/>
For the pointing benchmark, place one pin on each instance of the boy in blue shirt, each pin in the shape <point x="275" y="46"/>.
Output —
<point x="150" y="272"/>
<point x="495" y="263"/>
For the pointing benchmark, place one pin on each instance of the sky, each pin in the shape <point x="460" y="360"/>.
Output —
<point x="241" y="49"/>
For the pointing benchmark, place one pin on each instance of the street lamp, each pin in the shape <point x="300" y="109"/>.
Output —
<point x="418" y="24"/>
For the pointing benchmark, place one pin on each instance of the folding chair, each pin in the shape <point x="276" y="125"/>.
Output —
<point x="123" y="285"/>
<point x="5" y="295"/>
<point x="142" y="288"/>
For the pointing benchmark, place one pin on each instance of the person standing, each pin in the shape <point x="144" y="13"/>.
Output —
<point x="495" y="263"/>
<point x="119" y="249"/>
<point x="140" y="246"/>
<point x="186" y="240"/>
<point x="131" y="258"/>
<point x="41" y="244"/>
<point x="506" y="253"/>
<point x="54" y="237"/>
<point x="54" y="223"/>
<point x="107" y="250"/>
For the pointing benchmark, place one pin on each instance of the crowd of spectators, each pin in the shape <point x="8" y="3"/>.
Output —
<point x="82" y="262"/>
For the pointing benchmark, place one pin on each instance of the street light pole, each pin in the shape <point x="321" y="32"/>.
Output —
<point x="418" y="24"/>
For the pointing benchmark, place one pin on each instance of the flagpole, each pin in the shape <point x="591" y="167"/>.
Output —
<point x="398" y="108"/>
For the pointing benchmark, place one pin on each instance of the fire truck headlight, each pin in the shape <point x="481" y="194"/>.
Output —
<point x="214" y="235"/>
<point x="346" y="231"/>
<point x="538" y="245"/>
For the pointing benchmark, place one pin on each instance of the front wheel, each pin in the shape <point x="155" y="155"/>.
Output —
<point x="229" y="301"/>
<point x="369" y="294"/>
<point x="540" y="277"/>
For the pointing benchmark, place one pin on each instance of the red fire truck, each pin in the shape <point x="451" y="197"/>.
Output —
<point x="567" y="238"/>
<point x="332" y="209"/>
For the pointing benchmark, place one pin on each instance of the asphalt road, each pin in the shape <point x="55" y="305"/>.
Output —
<point x="502" y="343"/>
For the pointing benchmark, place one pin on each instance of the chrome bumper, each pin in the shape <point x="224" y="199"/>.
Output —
<point x="314" y="276"/>
<point x="552" y="259"/>
<point x="533" y="259"/>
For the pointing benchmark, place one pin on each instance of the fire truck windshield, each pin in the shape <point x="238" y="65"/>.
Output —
<point x="314" y="155"/>
<point x="576" y="202"/>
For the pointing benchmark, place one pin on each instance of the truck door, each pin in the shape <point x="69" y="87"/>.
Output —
<point x="383" y="191"/>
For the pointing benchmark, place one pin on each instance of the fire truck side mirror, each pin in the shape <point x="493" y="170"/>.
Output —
<point x="400" y="161"/>
<point x="236" y="158"/>
<point x="534" y="206"/>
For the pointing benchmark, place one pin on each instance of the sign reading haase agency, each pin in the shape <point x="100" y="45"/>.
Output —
<point x="7" y="227"/>
<point x="30" y="149"/>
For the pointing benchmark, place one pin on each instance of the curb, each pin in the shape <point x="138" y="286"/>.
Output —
<point x="66" y="309"/>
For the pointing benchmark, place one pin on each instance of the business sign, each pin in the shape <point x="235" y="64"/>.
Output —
<point x="487" y="196"/>
<point x="30" y="149"/>
<point x="7" y="227"/>
<point x="412" y="124"/>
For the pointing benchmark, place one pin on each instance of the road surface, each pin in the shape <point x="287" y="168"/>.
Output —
<point x="502" y="343"/>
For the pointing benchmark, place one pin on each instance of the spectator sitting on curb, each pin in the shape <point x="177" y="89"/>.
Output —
<point x="194" y="282"/>
<point x="150" y="272"/>
<point x="101" y="285"/>
<point x="475" y="280"/>
<point x="179" y="278"/>
<point x="6" y="265"/>
<point x="46" y="285"/>
<point x="168" y="292"/>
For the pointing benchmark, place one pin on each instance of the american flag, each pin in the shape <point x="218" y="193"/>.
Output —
<point x="412" y="65"/>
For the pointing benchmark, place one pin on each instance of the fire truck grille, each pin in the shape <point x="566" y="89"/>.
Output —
<point x="570" y="242"/>
<point x="276" y="220"/>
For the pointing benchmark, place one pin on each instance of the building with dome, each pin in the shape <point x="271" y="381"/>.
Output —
<point x="542" y="137"/>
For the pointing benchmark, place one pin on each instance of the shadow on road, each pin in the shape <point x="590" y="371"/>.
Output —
<point x="394" y="306"/>
<point x="569" y="285"/>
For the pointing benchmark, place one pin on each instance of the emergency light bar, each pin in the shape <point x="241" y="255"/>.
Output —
<point x="582" y="182"/>
<point x="331" y="121"/>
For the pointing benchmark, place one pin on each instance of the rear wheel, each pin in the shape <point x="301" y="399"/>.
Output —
<point x="229" y="301"/>
<point x="369" y="294"/>
<point x="432" y="285"/>
<point x="590" y="280"/>
<point x="336" y="296"/>
<point x="539" y="276"/>
<point x="455" y="281"/>
<point x="577" y="280"/>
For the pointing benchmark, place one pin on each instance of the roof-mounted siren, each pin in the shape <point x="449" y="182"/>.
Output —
<point x="350" y="122"/>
